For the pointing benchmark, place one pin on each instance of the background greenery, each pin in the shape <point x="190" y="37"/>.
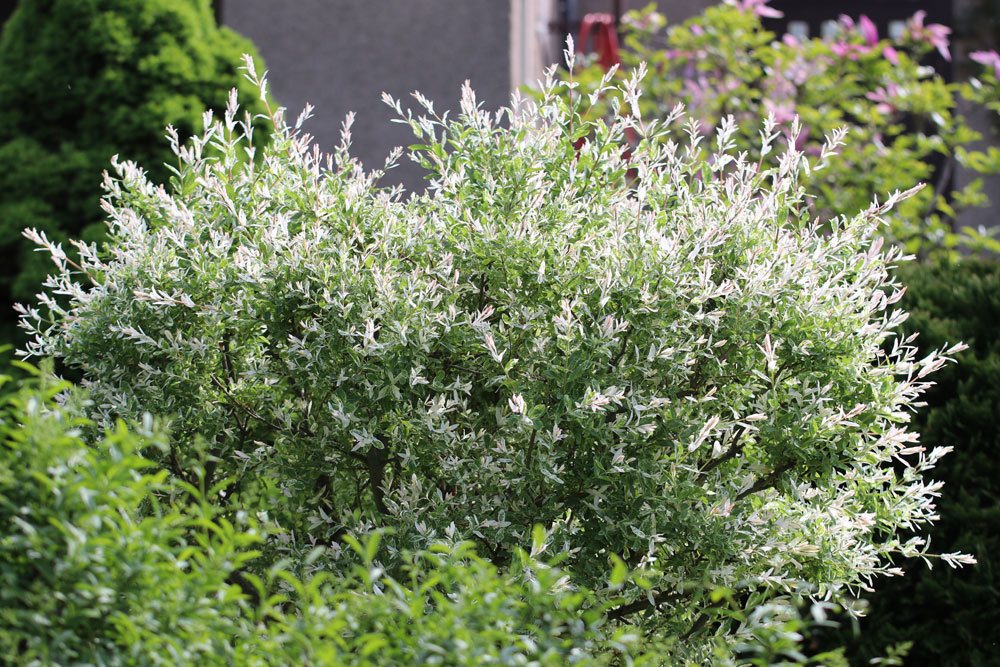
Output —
<point x="905" y="122"/>
<point x="80" y="81"/>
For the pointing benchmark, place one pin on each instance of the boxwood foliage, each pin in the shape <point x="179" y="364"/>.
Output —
<point x="82" y="80"/>
<point x="656" y="357"/>
<point x="104" y="560"/>
<point x="951" y="617"/>
<point x="90" y="559"/>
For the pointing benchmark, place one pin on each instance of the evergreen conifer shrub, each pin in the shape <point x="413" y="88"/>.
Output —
<point x="82" y="80"/>
<point x="951" y="617"/>
<point x="660" y="359"/>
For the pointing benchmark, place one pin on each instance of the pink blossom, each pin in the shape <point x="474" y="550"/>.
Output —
<point x="646" y="21"/>
<point x="696" y="89"/>
<point x="891" y="55"/>
<point x="798" y="71"/>
<point x="884" y="98"/>
<point x="697" y="30"/>
<point x="790" y="40"/>
<point x="844" y="49"/>
<point x="934" y="34"/>
<point x="849" y="51"/>
<point x="868" y="30"/>
<point x="782" y="112"/>
<point x="760" y="8"/>
<point x="781" y="86"/>
<point x="987" y="59"/>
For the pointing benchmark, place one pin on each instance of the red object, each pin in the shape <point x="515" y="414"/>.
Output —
<point x="604" y="31"/>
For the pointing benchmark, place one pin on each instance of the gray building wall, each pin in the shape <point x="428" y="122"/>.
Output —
<point x="339" y="55"/>
<point x="676" y="11"/>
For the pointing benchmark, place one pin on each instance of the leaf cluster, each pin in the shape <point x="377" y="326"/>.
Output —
<point x="105" y="560"/>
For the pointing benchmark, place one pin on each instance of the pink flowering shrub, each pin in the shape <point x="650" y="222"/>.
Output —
<point x="902" y="118"/>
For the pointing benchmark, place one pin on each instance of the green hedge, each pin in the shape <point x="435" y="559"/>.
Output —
<point x="91" y="563"/>
<point x="952" y="616"/>
<point x="106" y="561"/>
<point x="82" y="80"/>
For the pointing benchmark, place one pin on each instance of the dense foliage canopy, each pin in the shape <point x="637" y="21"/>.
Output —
<point x="661" y="359"/>
<point x="105" y="560"/>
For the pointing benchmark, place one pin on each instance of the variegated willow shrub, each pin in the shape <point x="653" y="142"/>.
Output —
<point x="660" y="359"/>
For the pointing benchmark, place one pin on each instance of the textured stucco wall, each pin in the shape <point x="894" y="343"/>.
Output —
<point x="340" y="55"/>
